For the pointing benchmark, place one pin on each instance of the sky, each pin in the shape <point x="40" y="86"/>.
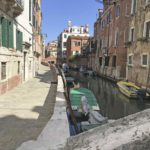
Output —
<point x="56" y="14"/>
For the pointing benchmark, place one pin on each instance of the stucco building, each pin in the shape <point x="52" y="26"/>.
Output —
<point x="16" y="53"/>
<point x="51" y="51"/>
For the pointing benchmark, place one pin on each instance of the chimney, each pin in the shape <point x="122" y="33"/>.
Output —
<point x="69" y="25"/>
<point x="100" y="12"/>
<point x="87" y="28"/>
<point x="82" y="29"/>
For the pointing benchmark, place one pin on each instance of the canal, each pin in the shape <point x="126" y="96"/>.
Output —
<point x="112" y="103"/>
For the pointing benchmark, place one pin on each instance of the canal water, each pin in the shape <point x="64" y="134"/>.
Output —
<point x="112" y="103"/>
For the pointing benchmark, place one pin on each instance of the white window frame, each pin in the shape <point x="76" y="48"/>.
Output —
<point x="145" y="27"/>
<point x="147" y="2"/>
<point x="143" y="65"/>
<point x="1" y="71"/>
<point x="130" y="55"/>
<point x="130" y="35"/>
<point x="132" y="7"/>
<point x="116" y="38"/>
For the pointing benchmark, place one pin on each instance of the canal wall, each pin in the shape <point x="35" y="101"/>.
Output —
<point x="129" y="133"/>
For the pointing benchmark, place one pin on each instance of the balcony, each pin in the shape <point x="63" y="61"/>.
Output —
<point x="13" y="7"/>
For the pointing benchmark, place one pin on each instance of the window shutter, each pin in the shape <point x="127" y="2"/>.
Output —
<point x="17" y="40"/>
<point x="144" y="31"/>
<point x="4" y="32"/>
<point x="11" y="35"/>
<point x="21" y="40"/>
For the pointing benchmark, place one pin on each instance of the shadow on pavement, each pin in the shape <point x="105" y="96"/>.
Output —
<point x="14" y="130"/>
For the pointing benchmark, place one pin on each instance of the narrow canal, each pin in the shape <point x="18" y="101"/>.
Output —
<point x="112" y="103"/>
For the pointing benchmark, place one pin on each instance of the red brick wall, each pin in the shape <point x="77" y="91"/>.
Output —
<point x="120" y="24"/>
<point x="10" y="84"/>
<point x="72" y="48"/>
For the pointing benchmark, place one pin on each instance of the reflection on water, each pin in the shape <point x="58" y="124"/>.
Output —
<point x="112" y="103"/>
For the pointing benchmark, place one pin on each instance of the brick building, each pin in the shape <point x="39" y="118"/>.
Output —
<point x="111" y="34"/>
<point x="138" y="68"/>
<point x="62" y="38"/>
<point x="77" y="45"/>
<point x="51" y="51"/>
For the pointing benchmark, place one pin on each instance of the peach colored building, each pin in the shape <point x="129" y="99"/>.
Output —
<point x="77" y="45"/>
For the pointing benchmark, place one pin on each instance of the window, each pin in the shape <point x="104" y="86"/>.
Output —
<point x="144" y="60"/>
<point x="19" y="40"/>
<point x="146" y="32"/>
<point x="100" y="61"/>
<point x="65" y="44"/>
<point x="118" y="11"/>
<point x="29" y="10"/>
<point x="133" y="7"/>
<point x="18" y="67"/>
<point x="78" y="43"/>
<point x="30" y="65"/>
<point x="65" y="36"/>
<point x="7" y="33"/>
<point x="114" y="61"/>
<point x="3" y="70"/>
<point x="147" y="2"/>
<point x="107" y="61"/>
<point x="103" y="23"/>
<point x="130" y="59"/>
<point x="116" y="38"/>
<point x="131" y="34"/>
<point x="34" y="20"/>
<point x="10" y="35"/>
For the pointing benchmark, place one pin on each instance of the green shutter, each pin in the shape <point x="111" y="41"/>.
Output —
<point x="21" y="39"/>
<point x="17" y="39"/>
<point x="0" y="31"/>
<point x="4" y="32"/>
<point x="11" y="35"/>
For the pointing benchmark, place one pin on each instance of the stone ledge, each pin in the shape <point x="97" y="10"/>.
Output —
<point x="123" y="134"/>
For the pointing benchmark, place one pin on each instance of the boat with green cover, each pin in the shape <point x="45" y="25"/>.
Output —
<point x="75" y="98"/>
<point x="85" y="110"/>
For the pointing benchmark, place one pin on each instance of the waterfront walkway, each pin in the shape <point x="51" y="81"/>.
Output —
<point x="26" y="110"/>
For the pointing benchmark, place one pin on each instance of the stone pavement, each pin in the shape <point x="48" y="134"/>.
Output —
<point x="25" y="110"/>
<point x="54" y="135"/>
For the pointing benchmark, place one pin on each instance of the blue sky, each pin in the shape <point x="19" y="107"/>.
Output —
<point x="56" y="14"/>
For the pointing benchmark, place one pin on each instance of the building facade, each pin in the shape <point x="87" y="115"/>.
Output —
<point x="77" y="45"/>
<point x="111" y="33"/>
<point x="51" y="51"/>
<point x="16" y="53"/>
<point x="37" y="36"/>
<point x="71" y="30"/>
<point x="138" y="64"/>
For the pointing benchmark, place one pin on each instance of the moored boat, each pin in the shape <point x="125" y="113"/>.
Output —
<point x="129" y="89"/>
<point x="85" y="110"/>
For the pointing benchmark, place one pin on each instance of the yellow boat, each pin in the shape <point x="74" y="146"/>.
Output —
<point x="129" y="89"/>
